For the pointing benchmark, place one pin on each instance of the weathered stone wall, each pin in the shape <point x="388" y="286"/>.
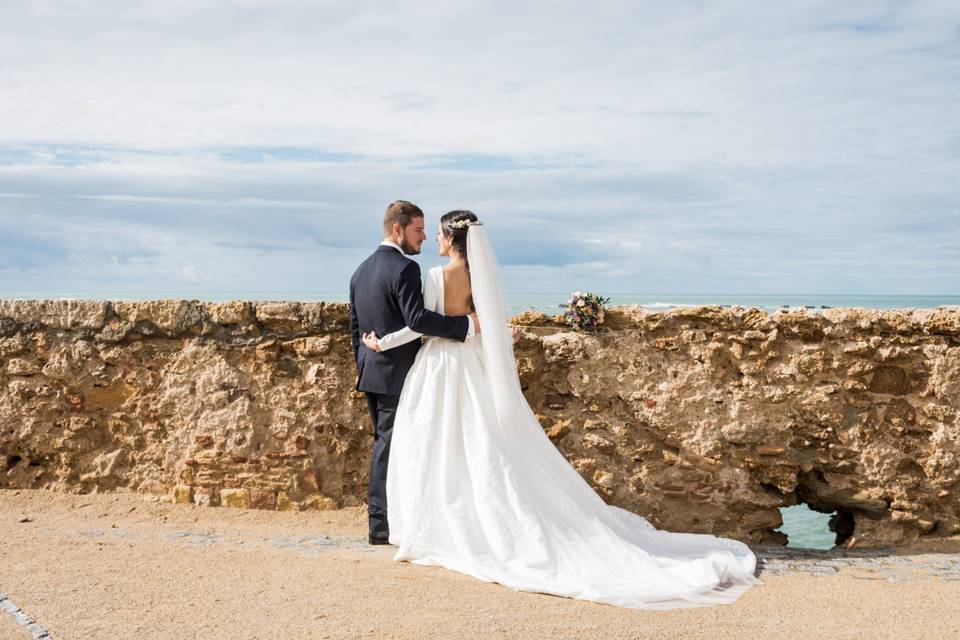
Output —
<point x="703" y="419"/>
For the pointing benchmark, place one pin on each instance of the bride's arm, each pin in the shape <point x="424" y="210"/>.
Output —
<point x="391" y="340"/>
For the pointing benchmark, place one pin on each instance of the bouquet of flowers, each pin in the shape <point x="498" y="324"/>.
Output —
<point x="584" y="311"/>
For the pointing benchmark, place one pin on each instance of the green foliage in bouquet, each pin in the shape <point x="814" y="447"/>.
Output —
<point x="584" y="311"/>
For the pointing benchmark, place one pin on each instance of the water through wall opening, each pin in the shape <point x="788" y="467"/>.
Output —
<point x="809" y="529"/>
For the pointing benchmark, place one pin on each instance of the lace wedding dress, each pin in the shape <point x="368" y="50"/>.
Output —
<point x="476" y="486"/>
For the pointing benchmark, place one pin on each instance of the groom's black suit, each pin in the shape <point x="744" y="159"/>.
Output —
<point x="385" y="296"/>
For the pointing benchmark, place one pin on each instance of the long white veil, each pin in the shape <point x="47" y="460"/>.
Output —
<point x="704" y="569"/>
<point x="519" y="430"/>
<point x="490" y="300"/>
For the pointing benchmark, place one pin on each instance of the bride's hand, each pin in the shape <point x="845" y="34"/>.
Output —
<point x="515" y="333"/>
<point x="370" y="339"/>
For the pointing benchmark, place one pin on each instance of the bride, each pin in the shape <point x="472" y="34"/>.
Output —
<point x="476" y="486"/>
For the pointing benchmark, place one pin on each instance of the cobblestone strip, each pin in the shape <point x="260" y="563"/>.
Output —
<point x="862" y="564"/>
<point x="32" y="625"/>
<point x="309" y="544"/>
<point x="866" y="564"/>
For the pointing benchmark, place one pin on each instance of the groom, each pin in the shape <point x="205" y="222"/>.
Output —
<point x="385" y="296"/>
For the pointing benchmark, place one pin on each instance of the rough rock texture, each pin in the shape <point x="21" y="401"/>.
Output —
<point x="705" y="419"/>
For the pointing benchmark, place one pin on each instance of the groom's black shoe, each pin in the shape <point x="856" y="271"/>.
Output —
<point x="379" y="538"/>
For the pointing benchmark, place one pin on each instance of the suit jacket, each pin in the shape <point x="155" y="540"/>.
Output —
<point x="385" y="296"/>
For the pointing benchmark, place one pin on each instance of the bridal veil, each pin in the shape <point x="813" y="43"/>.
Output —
<point x="608" y="554"/>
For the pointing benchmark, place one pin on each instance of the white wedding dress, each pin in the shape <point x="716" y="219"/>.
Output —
<point x="476" y="486"/>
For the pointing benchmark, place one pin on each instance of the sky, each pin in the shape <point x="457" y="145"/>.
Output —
<point x="182" y="148"/>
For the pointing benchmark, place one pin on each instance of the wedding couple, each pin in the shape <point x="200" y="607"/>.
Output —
<point x="473" y="483"/>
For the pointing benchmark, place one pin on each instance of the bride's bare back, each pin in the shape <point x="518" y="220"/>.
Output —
<point x="457" y="294"/>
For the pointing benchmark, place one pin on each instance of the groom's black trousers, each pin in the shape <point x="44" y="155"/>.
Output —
<point x="383" y="410"/>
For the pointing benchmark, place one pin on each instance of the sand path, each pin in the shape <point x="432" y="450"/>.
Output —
<point x="124" y="566"/>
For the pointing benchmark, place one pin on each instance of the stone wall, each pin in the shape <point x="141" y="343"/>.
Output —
<point x="704" y="419"/>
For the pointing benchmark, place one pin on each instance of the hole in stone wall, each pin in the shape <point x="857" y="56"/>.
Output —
<point x="808" y="529"/>
<point x="824" y="516"/>
<point x="13" y="461"/>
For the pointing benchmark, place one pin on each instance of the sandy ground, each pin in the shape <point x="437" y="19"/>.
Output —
<point x="122" y="565"/>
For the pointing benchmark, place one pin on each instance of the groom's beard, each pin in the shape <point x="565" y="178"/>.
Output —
<point x="409" y="249"/>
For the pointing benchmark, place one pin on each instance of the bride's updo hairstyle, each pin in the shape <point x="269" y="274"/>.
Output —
<point x="457" y="233"/>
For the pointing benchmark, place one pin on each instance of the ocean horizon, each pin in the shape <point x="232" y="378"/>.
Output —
<point x="549" y="303"/>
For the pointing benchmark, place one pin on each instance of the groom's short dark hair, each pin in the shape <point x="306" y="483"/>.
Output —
<point x="400" y="211"/>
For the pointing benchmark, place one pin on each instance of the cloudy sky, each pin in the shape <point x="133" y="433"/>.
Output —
<point x="186" y="147"/>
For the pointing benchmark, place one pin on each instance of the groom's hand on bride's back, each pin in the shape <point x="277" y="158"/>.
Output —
<point x="476" y="322"/>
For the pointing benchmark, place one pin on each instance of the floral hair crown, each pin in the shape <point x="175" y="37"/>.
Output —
<point x="463" y="224"/>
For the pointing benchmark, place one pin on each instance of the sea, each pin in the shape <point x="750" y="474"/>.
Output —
<point x="805" y="528"/>
<point x="549" y="303"/>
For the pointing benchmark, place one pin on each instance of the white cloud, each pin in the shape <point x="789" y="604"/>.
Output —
<point x="683" y="146"/>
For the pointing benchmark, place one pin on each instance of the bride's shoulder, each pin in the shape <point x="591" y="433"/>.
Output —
<point x="435" y="274"/>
